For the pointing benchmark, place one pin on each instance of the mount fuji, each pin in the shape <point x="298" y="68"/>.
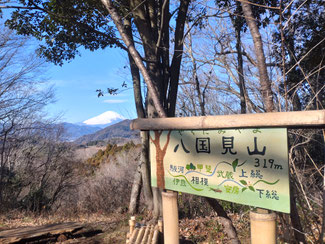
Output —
<point x="91" y="125"/>
<point x="105" y="119"/>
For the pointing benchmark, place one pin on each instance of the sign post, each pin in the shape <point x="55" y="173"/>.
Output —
<point x="263" y="228"/>
<point x="170" y="215"/>
<point x="228" y="157"/>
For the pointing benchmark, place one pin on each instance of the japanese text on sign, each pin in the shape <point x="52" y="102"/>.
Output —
<point x="246" y="166"/>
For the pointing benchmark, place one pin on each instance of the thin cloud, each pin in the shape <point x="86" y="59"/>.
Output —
<point x="115" y="101"/>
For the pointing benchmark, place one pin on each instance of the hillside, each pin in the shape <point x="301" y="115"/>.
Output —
<point x="118" y="130"/>
<point x="74" y="131"/>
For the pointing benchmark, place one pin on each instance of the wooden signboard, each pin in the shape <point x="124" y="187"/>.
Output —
<point x="245" y="166"/>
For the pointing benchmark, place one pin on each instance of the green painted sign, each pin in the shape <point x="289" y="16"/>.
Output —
<point x="246" y="166"/>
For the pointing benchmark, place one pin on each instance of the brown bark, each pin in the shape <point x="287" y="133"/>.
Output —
<point x="321" y="236"/>
<point x="265" y="83"/>
<point x="142" y="176"/>
<point x="224" y="220"/>
<point x="240" y="69"/>
<point x="146" y="24"/>
<point x="136" y="57"/>
<point x="145" y="170"/>
<point x="134" y="73"/>
<point x="144" y="180"/>
<point x="294" y="216"/>
<point x="162" y="47"/>
<point x="156" y="193"/>
<point x="152" y="9"/>
<point x="200" y="96"/>
<point x="291" y="78"/>
<point x="157" y="199"/>
<point x="152" y="21"/>
<point x="135" y="192"/>
<point x="177" y="57"/>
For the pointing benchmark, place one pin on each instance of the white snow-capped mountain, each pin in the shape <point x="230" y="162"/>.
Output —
<point x="104" y="119"/>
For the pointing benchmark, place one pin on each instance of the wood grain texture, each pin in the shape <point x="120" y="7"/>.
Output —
<point x="301" y="119"/>
<point x="20" y="234"/>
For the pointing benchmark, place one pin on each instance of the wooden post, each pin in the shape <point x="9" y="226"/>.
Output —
<point x="299" y="119"/>
<point x="170" y="215"/>
<point x="160" y="225"/>
<point x="131" y="224"/>
<point x="263" y="227"/>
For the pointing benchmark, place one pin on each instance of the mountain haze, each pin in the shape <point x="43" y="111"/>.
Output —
<point x="118" y="130"/>
<point x="74" y="131"/>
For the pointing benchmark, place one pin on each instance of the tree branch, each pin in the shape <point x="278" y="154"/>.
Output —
<point x="265" y="83"/>
<point x="136" y="56"/>
<point x="177" y="56"/>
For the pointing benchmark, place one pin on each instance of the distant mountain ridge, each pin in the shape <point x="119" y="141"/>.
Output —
<point x="118" y="130"/>
<point x="74" y="131"/>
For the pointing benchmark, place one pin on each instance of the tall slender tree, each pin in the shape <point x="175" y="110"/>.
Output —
<point x="66" y="25"/>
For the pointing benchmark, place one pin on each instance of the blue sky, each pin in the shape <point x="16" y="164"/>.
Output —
<point x="76" y="83"/>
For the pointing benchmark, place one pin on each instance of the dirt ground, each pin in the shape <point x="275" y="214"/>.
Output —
<point x="113" y="228"/>
<point x="97" y="228"/>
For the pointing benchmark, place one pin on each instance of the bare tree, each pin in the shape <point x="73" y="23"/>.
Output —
<point x="265" y="83"/>
<point x="21" y="97"/>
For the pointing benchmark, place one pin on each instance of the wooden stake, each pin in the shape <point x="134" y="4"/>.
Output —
<point x="132" y="224"/>
<point x="263" y="228"/>
<point x="170" y="217"/>
<point x="140" y="235"/>
<point x="155" y="236"/>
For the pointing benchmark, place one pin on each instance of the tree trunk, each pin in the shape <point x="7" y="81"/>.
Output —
<point x="224" y="220"/>
<point x="265" y="83"/>
<point x="294" y="216"/>
<point x="2" y="165"/>
<point x="156" y="193"/>
<point x="152" y="89"/>
<point x="177" y="57"/>
<point x="157" y="199"/>
<point x="145" y="170"/>
<point x="321" y="236"/>
<point x="156" y="72"/>
<point x="200" y="96"/>
<point x="145" y="27"/>
<point x="292" y="75"/>
<point x="135" y="192"/>
<point x="240" y="69"/>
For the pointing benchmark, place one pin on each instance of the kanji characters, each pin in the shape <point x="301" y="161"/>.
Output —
<point x="203" y="145"/>
<point x="228" y="144"/>
<point x="183" y="146"/>
<point x="256" y="151"/>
